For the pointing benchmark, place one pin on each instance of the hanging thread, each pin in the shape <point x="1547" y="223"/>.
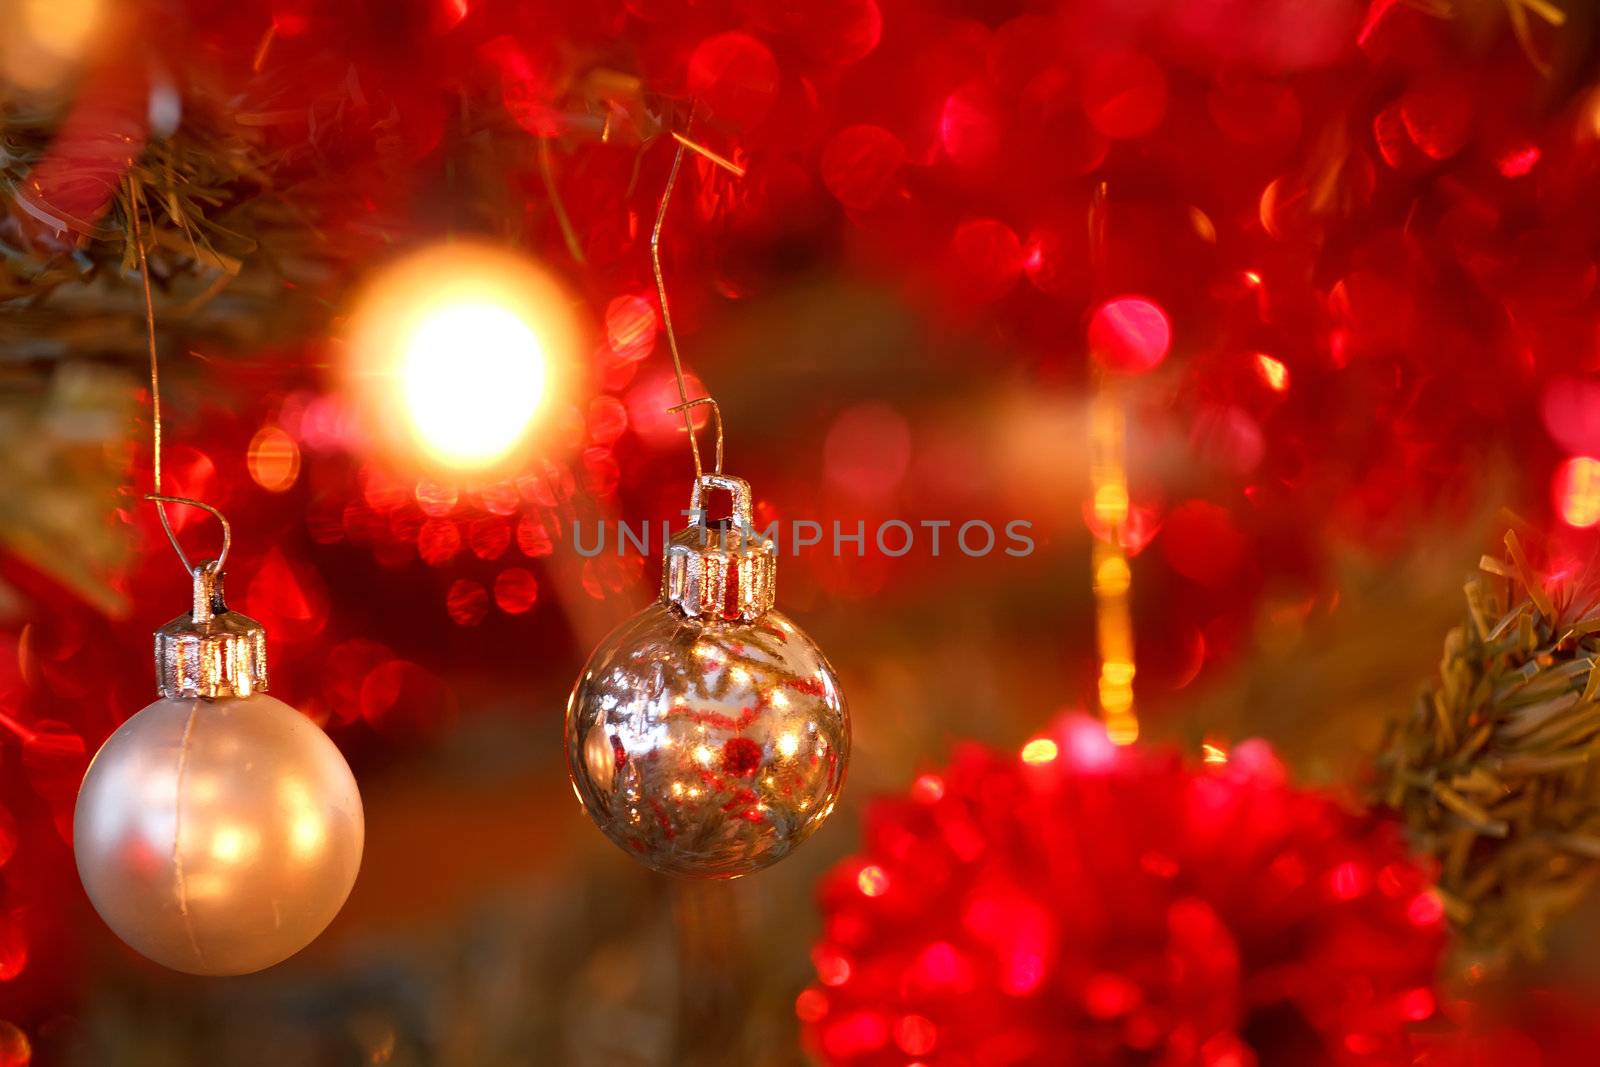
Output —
<point x="684" y="405"/>
<point x="156" y="496"/>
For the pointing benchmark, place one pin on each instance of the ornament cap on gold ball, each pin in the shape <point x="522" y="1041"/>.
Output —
<point x="211" y="652"/>
<point x="701" y="559"/>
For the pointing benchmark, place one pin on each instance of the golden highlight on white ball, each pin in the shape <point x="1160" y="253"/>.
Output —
<point x="218" y="836"/>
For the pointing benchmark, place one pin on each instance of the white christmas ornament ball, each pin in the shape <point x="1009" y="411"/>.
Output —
<point x="218" y="836"/>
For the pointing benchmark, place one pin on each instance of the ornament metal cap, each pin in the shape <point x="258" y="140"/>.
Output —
<point x="701" y="559"/>
<point x="211" y="652"/>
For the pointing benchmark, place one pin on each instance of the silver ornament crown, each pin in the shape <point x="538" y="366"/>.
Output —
<point x="211" y="652"/>
<point x="703" y="559"/>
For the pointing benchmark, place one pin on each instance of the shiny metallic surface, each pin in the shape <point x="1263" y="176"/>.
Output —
<point x="210" y="652"/>
<point x="218" y="836"/>
<point x="704" y="748"/>
<point x="707" y="562"/>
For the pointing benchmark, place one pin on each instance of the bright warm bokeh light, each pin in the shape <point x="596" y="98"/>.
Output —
<point x="1273" y="372"/>
<point x="273" y="459"/>
<point x="1577" y="491"/>
<point x="43" y="41"/>
<point x="473" y="376"/>
<point x="455" y="353"/>
<point x="1040" y="750"/>
<point x="873" y="881"/>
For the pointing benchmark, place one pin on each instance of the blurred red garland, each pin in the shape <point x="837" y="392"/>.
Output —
<point x="1088" y="904"/>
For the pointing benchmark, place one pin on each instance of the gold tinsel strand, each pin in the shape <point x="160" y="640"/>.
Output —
<point x="1493" y="770"/>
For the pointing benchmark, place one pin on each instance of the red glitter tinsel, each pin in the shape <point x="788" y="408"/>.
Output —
<point x="1088" y="904"/>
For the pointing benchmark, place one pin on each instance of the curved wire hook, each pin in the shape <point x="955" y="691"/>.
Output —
<point x="666" y="309"/>
<point x="227" y="531"/>
<point x="685" y="404"/>
<point x="155" y="409"/>
<point x="716" y="415"/>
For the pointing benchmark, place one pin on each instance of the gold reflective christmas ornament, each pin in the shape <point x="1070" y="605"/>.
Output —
<point x="219" y="830"/>
<point x="708" y="736"/>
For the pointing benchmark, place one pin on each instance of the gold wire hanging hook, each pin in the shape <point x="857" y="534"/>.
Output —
<point x="716" y="417"/>
<point x="685" y="404"/>
<point x="227" y="529"/>
<point x="157" y="497"/>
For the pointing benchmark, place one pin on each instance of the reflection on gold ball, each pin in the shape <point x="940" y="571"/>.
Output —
<point x="709" y="749"/>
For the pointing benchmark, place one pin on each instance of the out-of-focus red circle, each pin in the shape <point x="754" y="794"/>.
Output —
<point x="608" y="420"/>
<point x="532" y="537"/>
<point x="631" y="327"/>
<point x="15" y="1049"/>
<point x="985" y="259"/>
<point x="488" y="536"/>
<point x="861" y="165"/>
<point x="969" y="125"/>
<point x="498" y="498"/>
<point x="867" y="452"/>
<point x="516" y="590"/>
<point x="1124" y="94"/>
<point x="403" y="699"/>
<point x="467" y="602"/>
<point x="13" y="947"/>
<point x="1201" y="542"/>
<point x="8" y="836"/>
<point x="650" y="404"/>
<point x="438" y="541"/>
<point x="601" y="472"/>
<point x="735" y="76"/>
<point x="1129" y="334"/>
<point x="436" y="498"/>
<point x="345" y="671"/>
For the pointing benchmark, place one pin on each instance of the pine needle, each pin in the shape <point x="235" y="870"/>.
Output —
<point x="1494" y="770"/>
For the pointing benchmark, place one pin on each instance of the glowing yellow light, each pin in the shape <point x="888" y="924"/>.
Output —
<point x="1578" y="491"/>
<point x="1122" y="729"/>
<point x="1115" y="699"/>
<point x="46" y="39"/>
<point x="928" y="788"/>
<point x="738" y="675"/>
<point x="1111" y="504"/>
<point x="788" y="745"/>
<point x="873" y="881"/>
<point x="62" y="27"/>
<point x="1117" y="672"/>
<point x="703" y="755"/>
<point x="273" y="459"/>
<point x="454" y="353"/>
<point x="473" y="376"/>
<point x="1273" y="372"/>
<point x="1040" y="750"/>
<point x="1113" y="577"/>
<point x="1214" y="754"/>
<point x="778" y="699"/>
